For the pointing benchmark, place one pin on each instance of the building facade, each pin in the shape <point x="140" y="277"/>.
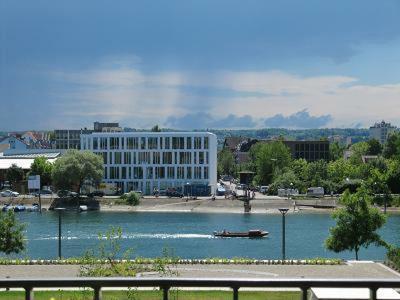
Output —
<point x="144" y="161"/>
<point x="309" y="150"/>
<point x="381" y="131"/>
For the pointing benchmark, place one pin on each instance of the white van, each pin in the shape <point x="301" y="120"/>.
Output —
<point x="263" y="189"/>
<point x="315" y="191"/>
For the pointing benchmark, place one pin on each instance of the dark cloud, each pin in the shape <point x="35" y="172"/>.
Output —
<point x="301" y="119"/>
<point x="203" y="120"/>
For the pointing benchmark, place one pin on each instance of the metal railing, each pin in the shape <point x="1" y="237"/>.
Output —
<point x="165" y="284"/>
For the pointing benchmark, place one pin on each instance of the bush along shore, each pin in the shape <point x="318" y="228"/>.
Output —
<point x="178" y="261"/>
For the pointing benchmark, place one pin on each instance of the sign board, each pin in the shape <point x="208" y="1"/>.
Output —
<point x="34" y="182"/>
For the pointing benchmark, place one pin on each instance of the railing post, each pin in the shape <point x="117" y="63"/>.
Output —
<point x="235" y="293"/>
<point x="29" y="293"/>
<point x="372" y="293"/>
<point x="165" y="292"/>
<point x="304" y="293"/>
<point x="97" y="293"/>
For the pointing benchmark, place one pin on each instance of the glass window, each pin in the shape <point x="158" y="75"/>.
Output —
<point x="114" y="143"/>
<point x="189" y="172"/>
<point x="206" y="142"/>
<point x="180" y="172"/>
<point x="142" y="143"/>
<point x="178" y="143"/>
<point x="205" y="173"/>
<point x="149" y="173"/>
<point x="117" y="158"/>
<point x="167" y="158"/>
<point x="188" y="143"/>
<point x="156" y="158"/>
<point x="137" y="173"/>
<point x="197" y="143"/>
<point x="123" y="172"/>
<point x="159" y="172"/>
<point x="144" y="158"/>
<point x="95" y="143"/>
<point x="170" y="172"/>
<point x="201" y="158"/>
<point x="197" y="172"/>
<point x="114" y="172"/>
<point x="103" y="143"/>
<point x="127" y="158"/>
<point x="167" y="143"/>
<point x="105" y="157"/>
<point x="153" y="143"/>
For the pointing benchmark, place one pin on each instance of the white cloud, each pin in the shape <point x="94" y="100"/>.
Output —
<point x="123" y="92"/>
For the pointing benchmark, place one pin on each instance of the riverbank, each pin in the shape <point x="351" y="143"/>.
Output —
<point x="261" y="205"/>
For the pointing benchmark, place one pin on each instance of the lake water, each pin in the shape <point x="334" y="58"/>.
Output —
<point x="189" y="235"/>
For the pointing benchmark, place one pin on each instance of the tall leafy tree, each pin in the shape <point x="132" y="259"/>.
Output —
<point x="392" y="146"/>
<point x="156" y="128"/>
<point x="42" y="167"/>
<point x="374" y="147"/>
<point x="14" y="174"/>
<point x="226" y="163"/>
<point x="12" y="239"/>
<point x="335" y="151"/>
<point x="358" y="150"/>
<point x="270" y="157"/>
<point x="356" y="224"/>
<point x="75" y="167"/>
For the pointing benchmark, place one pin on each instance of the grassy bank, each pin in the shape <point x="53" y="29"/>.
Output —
<point x="150" y="295"/>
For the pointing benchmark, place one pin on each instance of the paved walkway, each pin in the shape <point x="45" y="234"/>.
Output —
<point x="348" y="270"/>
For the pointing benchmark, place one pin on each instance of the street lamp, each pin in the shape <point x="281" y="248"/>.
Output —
<point x="290" y="191"/>
<point x="283" y="211"/>
<point x="60" y="210"/>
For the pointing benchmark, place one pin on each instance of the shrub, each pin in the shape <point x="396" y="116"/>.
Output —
<point x="131" y="198"/>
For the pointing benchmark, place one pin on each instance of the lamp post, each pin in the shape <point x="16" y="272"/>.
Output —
<point x="283" y="211"/>
<point x="290" y="191"/>
<point x="60" y="210"/>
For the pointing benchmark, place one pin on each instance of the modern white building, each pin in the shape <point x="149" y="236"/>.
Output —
<point x="381" y="131"/>
<point x="146" y="161"/>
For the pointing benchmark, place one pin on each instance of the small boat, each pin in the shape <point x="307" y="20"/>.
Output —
<point x="83" y="208"/>
<point x="19" y="208"/>
<point x="249" y="234"/>
<point x="33" y="208"/>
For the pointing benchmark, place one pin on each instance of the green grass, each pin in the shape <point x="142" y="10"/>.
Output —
<point x="150" y="295"/>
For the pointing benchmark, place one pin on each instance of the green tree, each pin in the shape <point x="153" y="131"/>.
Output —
<point x="393" y="176"/>
<point x="335" y="151"/>
<point x="286" y="180"/>
<point x="356" y="224"/>
<point x="75" y="167"/>
<point x="374" y="147"/>
<point x="156" y="128"/>
<point x="14" y="175"/>
<point x="316" y="172"/>
<point x="270" y="157"/>
<point x="392" y="147"/>
<point x="42" y="167"/>
<point x="358" y="150"/>
<point x="226" y="163"/>
<point x="12" y="238"/>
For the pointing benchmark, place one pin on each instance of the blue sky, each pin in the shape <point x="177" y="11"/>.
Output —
<point x="199" y="64"/>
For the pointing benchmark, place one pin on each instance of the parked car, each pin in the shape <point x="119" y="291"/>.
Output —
<point x="263" y="189"/>
<point x="66" y="193"/>
<point x="42" y="192"/>
<point x="9" y="193"/>
<point x="173" y="193"/>
<point x="96" y="194"/>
